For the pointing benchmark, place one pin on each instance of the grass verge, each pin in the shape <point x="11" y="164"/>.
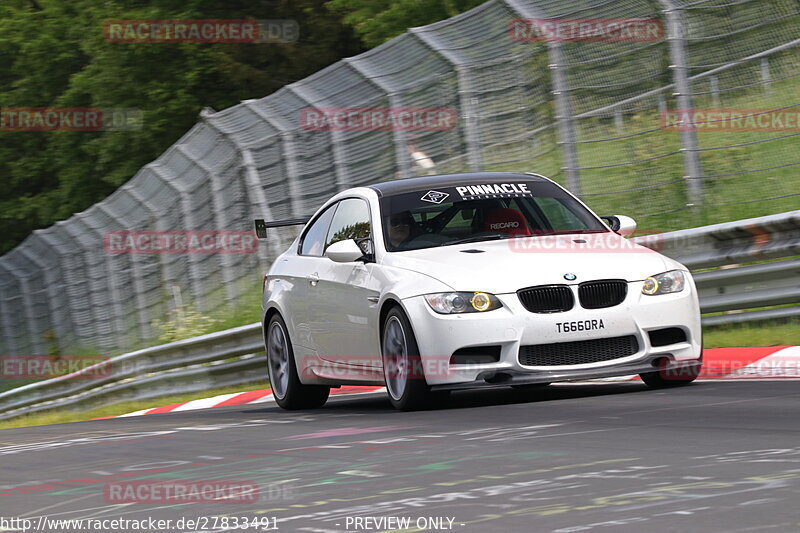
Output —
<point x="766" y="334"/>
<point x="62" y="416"/>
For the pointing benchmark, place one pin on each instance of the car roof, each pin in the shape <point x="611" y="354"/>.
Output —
<point x="390" y="188"/>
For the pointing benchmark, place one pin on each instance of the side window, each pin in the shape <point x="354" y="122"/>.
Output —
<point x="350" y="222"/>
<point x="559" y="216"/>
<point x="314" y="240"/>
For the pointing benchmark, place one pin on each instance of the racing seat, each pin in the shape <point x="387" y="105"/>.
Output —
<point x="506" y="220"/>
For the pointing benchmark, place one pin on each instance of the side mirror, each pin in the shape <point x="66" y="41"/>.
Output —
<point x="346" y="251"/>
<point x="621" y="224"/>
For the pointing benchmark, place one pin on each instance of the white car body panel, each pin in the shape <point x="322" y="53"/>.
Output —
<point x="507" y="265"/>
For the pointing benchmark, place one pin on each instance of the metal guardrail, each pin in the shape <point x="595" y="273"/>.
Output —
<point x="732" y="288"/>
<point x="221" y="359"/>
<point x="235" y="356"/>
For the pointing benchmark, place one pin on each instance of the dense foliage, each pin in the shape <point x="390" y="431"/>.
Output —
<point x="377" y="21"/>
<point x="53" y="54"/>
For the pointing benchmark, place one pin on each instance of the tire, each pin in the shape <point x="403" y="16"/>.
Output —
<point x="400" y="355"/>
<point x="675" y="377"/>
<point x="287" y="389"/>
<point x="530" y="387"/>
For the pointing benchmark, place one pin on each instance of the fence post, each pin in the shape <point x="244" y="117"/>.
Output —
<point x="564" y="118"/>
<point x="51" y="279"/>
<point x="12" y="335"/>
<point x="398" y="135"/>
<point x="765" y="75"/>
<point x="713" y="84"/>
<point x="680" y="72"/>
<point x="468" y="107"/>
<point x="9" y="340"/>
<point x="113" y="289"/>
<point x="311" y="97"/>
<point x="289" y="153"/>
<point x="166" y="271"/>
<point x="53" y="276"/>
<point x="259" y="207"/>
<point x="564" y="115"/>
<point x="195" y="272"/>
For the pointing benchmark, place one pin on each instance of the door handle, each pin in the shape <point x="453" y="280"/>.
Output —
<point x="313" y="279"/>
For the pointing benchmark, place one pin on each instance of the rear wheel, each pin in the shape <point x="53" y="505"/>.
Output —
<point x="402" y="366"/>
<point x="287" y="389"/>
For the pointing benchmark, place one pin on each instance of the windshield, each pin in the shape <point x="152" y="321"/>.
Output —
<point x="479" y="212"/>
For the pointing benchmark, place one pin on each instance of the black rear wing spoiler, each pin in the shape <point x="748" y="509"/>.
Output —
<point x="262" y="225"/>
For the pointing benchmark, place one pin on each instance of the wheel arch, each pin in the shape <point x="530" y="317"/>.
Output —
<point x="272" y="311"/>
<point x="386" y="306"/>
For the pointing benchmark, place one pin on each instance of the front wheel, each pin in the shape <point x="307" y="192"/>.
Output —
<point x="530" y="387"/>
<point x="665" y="376"/>
<point x="402" y="365"/>
<point x="287" y="389"/>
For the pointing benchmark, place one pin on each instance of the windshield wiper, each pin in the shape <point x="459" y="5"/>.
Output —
<point x="476" y="238"/>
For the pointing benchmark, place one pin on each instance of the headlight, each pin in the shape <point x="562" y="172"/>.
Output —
<point x="448" y="303"/>
<point x="664" y="283"/>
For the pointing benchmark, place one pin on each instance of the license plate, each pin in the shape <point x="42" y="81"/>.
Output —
<point x="580" y="325"/>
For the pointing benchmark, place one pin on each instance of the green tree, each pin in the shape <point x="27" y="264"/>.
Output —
<point x="53" y="54"/>
<point x="377" y="21"/>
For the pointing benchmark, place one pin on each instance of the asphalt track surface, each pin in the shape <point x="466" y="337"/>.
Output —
<point x="611" y="457"/>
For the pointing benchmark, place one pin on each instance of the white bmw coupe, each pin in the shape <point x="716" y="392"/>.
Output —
<point x="461" y="281"/>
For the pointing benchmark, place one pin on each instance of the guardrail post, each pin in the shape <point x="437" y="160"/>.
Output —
<point x="676" y="30"/>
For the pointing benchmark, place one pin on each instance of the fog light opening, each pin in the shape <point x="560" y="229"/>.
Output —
<point x="500" y="377"/>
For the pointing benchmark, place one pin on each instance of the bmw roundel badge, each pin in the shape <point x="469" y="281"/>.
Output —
<point x="569" y="276"/>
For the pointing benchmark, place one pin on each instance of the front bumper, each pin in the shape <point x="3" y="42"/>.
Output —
<point x="511" y="327"/>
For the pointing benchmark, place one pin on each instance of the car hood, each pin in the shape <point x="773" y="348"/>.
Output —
<point x="505" y="266"/>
